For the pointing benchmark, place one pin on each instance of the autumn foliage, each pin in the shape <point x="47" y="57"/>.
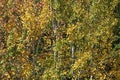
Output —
<point x="59" y="39"/>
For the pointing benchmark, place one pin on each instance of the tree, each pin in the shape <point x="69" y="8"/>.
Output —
<point x="59" y="39"/>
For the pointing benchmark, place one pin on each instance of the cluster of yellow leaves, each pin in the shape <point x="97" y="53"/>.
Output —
<point x="35" y="24"/>
<point x="83" y="58"/>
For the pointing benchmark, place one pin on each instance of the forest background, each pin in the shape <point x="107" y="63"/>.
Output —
<point x="59" y="39"/>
